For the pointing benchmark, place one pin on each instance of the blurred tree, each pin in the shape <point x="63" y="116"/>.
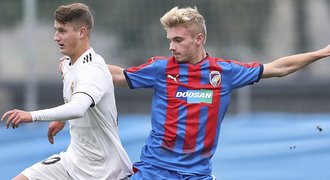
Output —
<point x="233" y="22"/>
<point x="301" y="26"/>
<point x="136" y="23"/>
<point x="11" y="13"/>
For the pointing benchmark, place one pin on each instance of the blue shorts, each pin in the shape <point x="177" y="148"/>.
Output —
<point x="148" y="171"/>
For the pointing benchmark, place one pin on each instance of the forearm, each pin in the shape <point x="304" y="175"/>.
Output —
<point x="118" y="76"/>
<point x="74" y="109"/>
<point x="289" y="64"/>
<point x="293" y="63"/>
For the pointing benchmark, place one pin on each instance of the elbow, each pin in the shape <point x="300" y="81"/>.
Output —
<point x="79" y="113"/>
<point x="119" y="81"/>
<point x="286" y="71"/>
<point x="77" y="116"/>
<point x="282" y="72"/>
<point x="278" y="74"/>
<point x="273" y="70"/>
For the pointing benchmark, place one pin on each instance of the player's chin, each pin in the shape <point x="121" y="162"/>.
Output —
<point x="180" y="60"/>
<point x="62" y="51"/>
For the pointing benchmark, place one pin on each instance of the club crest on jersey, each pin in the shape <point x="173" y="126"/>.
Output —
<point x="215" y="78"/>
<point x="72" y="87"/>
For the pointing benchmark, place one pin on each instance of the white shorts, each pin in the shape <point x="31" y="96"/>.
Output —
<point x="51" y="168"/>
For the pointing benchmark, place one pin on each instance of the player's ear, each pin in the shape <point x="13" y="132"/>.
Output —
<point x="199" y="39"/>
<point x="83" y="32"/>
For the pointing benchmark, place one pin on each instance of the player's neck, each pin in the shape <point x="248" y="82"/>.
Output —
<point x="200" y="55"/>
<point x="79" y="52"/>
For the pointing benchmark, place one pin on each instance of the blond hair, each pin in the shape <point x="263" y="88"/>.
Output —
<point x="186" y="17"/>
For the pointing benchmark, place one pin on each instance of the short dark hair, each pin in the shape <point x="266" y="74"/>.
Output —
<point x="77" y="13"/>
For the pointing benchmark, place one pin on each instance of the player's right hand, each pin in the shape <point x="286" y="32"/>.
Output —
<point x="53" y="128"/>
<point x="15" y="117"/>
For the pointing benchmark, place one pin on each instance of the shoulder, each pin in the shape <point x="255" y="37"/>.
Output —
<point x="92" y="58"/>
<point x="157" y="58"/>
<point x="253" y="64"/>
<point x="93" y="73"/>
<point x="217" y="59"/>
<point x="152" y="63"/>
<point x="232" y="62"/>
<point x="92" y="61"/>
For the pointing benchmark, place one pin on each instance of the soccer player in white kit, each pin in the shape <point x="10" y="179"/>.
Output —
<point x="95" y="150"/>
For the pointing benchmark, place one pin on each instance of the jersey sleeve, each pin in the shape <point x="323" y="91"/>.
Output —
<point x="93" y="81"/>
<point x="76" y="108"/>
<point x="245" y="73"/>
<point x="142" y="76"/>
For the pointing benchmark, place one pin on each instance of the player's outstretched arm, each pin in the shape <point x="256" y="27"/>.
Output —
<point x="289" y="64"/>
<point x="118" y="76"/>
<point x="74" y="109"/>
<point x="15" y="117"/>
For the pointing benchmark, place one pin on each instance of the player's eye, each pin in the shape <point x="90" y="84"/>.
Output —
<point x="59" y="30"/>
<point x="178" y="40"/>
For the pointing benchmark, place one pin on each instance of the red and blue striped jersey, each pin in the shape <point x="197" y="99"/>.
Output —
<point x="188" y="106"/>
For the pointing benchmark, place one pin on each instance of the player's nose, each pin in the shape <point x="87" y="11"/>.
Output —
<point x="172" y="47"/>
<point x="56" y="37"/>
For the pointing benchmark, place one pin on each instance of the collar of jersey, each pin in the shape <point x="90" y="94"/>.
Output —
<point x="81" y="57"/>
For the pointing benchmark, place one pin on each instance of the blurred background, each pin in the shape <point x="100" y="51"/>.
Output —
<point x="127" y="33"/>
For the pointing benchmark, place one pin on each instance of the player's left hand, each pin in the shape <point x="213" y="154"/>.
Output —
<point x="53" y="128"/>
<point x="15" y="117"/>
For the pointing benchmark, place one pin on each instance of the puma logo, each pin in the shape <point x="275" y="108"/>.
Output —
<point x="174" y="78"/>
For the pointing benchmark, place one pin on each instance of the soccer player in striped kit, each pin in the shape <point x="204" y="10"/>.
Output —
<point x="191" y="96"/>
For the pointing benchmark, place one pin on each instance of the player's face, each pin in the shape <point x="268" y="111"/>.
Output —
<point x="182" y="44"/>
<point x="67" y="38"/>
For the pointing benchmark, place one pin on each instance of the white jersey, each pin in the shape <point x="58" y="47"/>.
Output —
<point x="95" y="150"/>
